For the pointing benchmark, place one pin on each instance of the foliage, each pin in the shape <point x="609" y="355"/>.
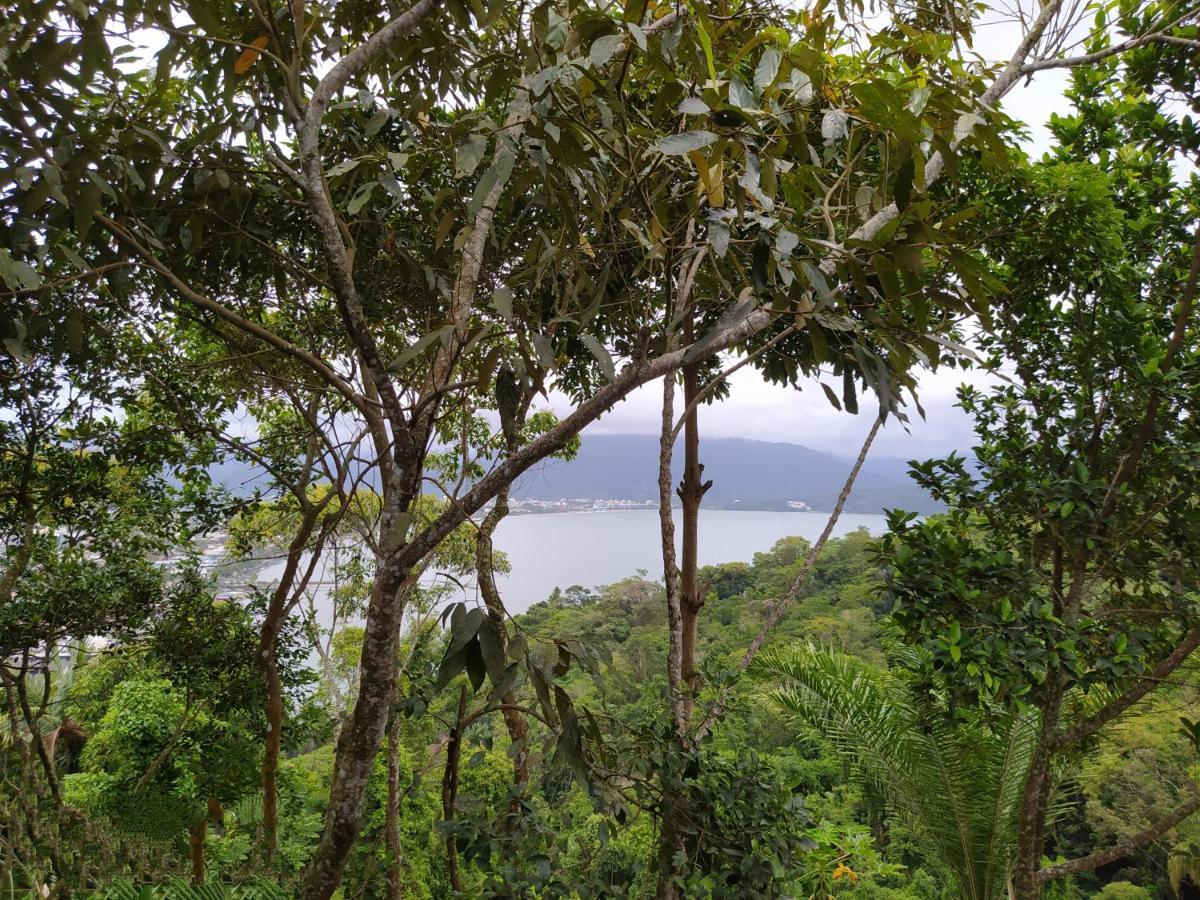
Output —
<point x="956" y="785"/>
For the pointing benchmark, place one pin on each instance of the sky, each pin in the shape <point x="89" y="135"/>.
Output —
<point x="765" y="412"/>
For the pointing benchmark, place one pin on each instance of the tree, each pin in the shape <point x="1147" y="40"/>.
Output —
<point x="304" y="186"/>
<point x="957" y="784"/>
<point x="1063" y="577"/>
<point x="178" y="738"/>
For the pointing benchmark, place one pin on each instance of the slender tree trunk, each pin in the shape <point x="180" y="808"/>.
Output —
<point x="35" y="734"/>
<point x="196" y="837"/>
<point x="1035" y="799"/>
<point x="518" y="728"/>
<point x="271" y="748"/>
<point x="450" y="791"/>
<point x="272" y="626"/>
<point x="669" y="842"/>
<point x="395" y="874"/>
<point x="692" y="489"/>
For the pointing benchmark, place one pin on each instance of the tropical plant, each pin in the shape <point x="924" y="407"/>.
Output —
<point x="956" y="784"/>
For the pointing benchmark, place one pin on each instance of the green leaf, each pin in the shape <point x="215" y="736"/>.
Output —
<point x="740" y="95"/>
<point x="496" y="175"/>
<point x="684" y="143"/>
<point x="502" y="302"/>
<point x="377" y="122"/>
<point x="817" y="279"/>
<point x="342" y="168"/>
<point x="768" y="68"/>
<point x="702" y="34"/>
<point x="832" y="397"/>
<point x="604" y="47"/>
<point x="360" y="198"/>
<point x="491" y="650"/>
<point x="599" y="351"/>
<point x="849" y="394"/>
<point x="469" y="154"/>
<point x="18" y="274"/>
<point x="902" y="190"/>
<point x="965" y="126"/>
<point x="87" y="203"/>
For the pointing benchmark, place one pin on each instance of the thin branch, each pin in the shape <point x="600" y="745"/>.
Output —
<point x="350" y="65"/>
<point x="230" y="317"/>
<point x="1140" y="689"/>
<point x="775" y="613"/>
<point x="1087" y="59"/>
<point x="670" y="564"/>
<point x="1152" y="832"/>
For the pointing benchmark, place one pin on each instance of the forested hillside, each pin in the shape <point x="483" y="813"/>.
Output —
<point x="745" y="475"/>
<point x="778" y="803"/>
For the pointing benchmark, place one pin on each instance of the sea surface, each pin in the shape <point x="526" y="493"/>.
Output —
<point x="550" y="550"/>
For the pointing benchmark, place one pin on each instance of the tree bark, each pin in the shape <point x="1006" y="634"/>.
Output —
<point x="514" y="722"/>
<point x="450" y="790"/>
<point x="691" y="490"/>
<point x="1152" y="832"/>
<point x="1035" y="799"/>
<point x="35" y="734"/>
<point x="272" y="626"/>
<point x="395" y="874"/>
<point x="362" y="734"/>
<point x="668" y="838"/>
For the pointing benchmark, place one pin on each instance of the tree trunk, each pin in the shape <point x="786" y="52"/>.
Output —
<point x="196" y="837"/>
<point x="271" y="747"/>
<point x="1035" y="799"/>
<point x="668" y="837"/>
<point x="450" y="791"/>
<point x="518" y="729"/>
<point x="691" y="492"/>
<point x="277" y="612"/>
<point x="35" y="734"/>
<point x="362" y="734"/>
<point x="395" y="872"/>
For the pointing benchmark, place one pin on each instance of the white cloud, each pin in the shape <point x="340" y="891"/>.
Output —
<point x="767" y="412"/>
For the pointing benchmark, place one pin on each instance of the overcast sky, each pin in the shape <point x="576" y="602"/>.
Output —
<point x="765" y="412"/>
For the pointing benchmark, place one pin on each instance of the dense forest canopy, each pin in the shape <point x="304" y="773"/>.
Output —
<point x="355" y="247"/>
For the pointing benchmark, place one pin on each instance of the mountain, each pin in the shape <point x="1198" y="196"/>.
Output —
<point x="746" y="475"/>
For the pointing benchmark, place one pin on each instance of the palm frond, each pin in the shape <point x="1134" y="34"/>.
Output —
<point x="957" y="785"/>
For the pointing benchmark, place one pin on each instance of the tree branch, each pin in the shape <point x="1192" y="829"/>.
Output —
<point x="1140" y="689"/>
<point x="1087" y="59"/>
<point x="933" y="168"/>
<point x="1152" y="832"/>
<point x="775" y="613"/>
<point x="230" y="317"/>
<point x="350" y="65"/>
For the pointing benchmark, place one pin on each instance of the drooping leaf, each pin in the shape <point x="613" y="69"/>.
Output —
<point x="684" y="143"/>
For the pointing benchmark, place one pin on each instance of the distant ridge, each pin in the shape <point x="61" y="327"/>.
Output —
<point x="746" y="474"/>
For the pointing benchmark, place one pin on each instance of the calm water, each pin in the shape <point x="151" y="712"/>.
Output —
<point x="550" y="550"/>
<point x="592" y="548"/>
